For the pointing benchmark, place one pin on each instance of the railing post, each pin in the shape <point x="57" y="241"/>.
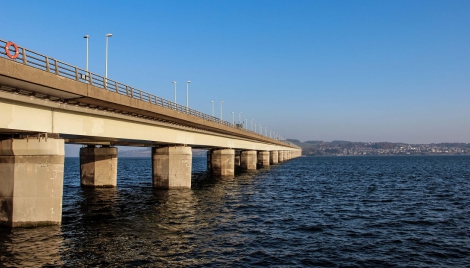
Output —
<point x="140" y="94"/>
<point x="132" y="92"/>
<point x="25" y="61"/>
<point x="117" y="88"/>
<point x="47" y="65"/>
<point x="150" y="100"/>
<point x="105" y="83"/>
<point x="127" y="91"/>
<point x="56" y="67"/>
<point x="76" y="73"/>
<point x="91" y="79"/>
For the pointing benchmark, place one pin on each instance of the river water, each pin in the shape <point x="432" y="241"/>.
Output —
<point x="312" y="211"/>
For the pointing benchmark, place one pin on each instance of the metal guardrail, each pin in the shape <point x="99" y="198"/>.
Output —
<point x="51" y="65"/>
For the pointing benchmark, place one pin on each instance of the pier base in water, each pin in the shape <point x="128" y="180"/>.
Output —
<point x="31" y="182"/>
<point x="98" y="166"/>
<point x="171" y="167"/>
<point x="223" y="162"/>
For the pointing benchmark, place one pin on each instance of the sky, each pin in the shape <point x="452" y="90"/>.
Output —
<point x="370" y="71"/>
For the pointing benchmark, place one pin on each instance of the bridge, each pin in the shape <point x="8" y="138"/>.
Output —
<point x="46" y="103"/>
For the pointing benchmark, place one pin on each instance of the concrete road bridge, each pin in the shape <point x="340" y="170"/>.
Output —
<point x="46" y="103"/>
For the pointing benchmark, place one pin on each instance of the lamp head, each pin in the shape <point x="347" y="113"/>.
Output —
<point x="109" y="35"/>
<point x="86" y="36"/>
<point x="174" y="82"/>
<point x="188" y="81"/>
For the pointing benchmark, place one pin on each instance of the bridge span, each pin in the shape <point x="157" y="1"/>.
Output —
<point x="46" y="103"/>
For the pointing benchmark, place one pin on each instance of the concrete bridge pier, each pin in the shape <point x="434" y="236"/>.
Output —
<point x="238" y="158"/>
<point x="263" y="159"/>
<point x="171" y="167"/>
<point x="280" y="156"/>
<point x="31" y="181"/>
<point x="248" y="160"/>
<point x="273" y="157"/>
<point x="223" y="162"/>
<point x="98" y="166"/>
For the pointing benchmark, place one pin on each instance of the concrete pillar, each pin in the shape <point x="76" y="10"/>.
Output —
<point x="223" y="162"/>
<point x="31" y="182"/>
<point x="263" y="159"/>
<point x="209" y="161"/>
<point x="98" y="166"/>
<point x="238" y="159"/>
<point x="280" y="156"/>
<point x="171" y="167"/>
<point x="273" y="157"/>
<point x="248" y="160"/>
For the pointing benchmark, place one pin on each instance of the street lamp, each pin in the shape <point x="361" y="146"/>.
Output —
<point x="106" y="64"/>
<point x="221" y="110"/>
<point x="233" y="118"/>
<point x="86" y="37"/>
<point x="239" y="120"/>
<point x="174" y="82"/>
<point x="187" y="95"/>
<point x="212" y="108"/>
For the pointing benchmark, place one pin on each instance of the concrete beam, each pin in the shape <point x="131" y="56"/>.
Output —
<point x="171" y="167"/>
<point x="31" y="180"/>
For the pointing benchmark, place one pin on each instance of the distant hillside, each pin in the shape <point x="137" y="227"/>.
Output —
<point x="380" y="148"/>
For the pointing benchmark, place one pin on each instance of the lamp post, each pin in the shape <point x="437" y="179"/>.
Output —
<point x="86" y="37"/>
<point x="212" y="108"/>
<point x="106" y="63"/>
<point x="255" y="127"/>
<point x="174" y="82"/>
<point x="187" y="95"/>
<point x="239" y="120"/>
<point x="221" y="102"/>
<point x="233" y="118"/>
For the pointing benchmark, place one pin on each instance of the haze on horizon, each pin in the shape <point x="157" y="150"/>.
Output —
<point x="369" y="71"/>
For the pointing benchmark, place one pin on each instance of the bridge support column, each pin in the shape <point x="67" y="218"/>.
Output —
<point x="263" y="159"/>
<point x="280" y="156"/>
<point x="223" y="162"/>
<point x="31" y="182"/>
<point x="248" y="160"/>
<point x="273" y="157"/>
<point x="171" y="167"/>
<point x="98" y="166"/>
<point x="238" y="159"/>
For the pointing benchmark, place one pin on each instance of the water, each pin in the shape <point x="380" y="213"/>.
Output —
<point x="325" y="212"/>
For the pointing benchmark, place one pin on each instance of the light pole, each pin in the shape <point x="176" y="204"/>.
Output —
<point x="106" y="64"/>
<point x="252" y="124"/>
<point x="255" y="127"/>
<point x="260" y="129"/>
<point x="174" y="82"/>
<point x="212" y="108"/>
<point x="233" y="118"/>
<point x="187" y="95"/>
<point x="86" y="37"/>
<point x="221" y="110"/>
<point x="239" y="120"/>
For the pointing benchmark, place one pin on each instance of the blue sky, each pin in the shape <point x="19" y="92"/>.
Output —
<point x="395" y="71"/>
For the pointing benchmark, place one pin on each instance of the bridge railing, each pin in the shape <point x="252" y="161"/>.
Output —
<point x="51" y="65"/>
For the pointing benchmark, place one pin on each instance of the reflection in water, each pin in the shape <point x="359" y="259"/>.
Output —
<point x="31" y="247"/>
